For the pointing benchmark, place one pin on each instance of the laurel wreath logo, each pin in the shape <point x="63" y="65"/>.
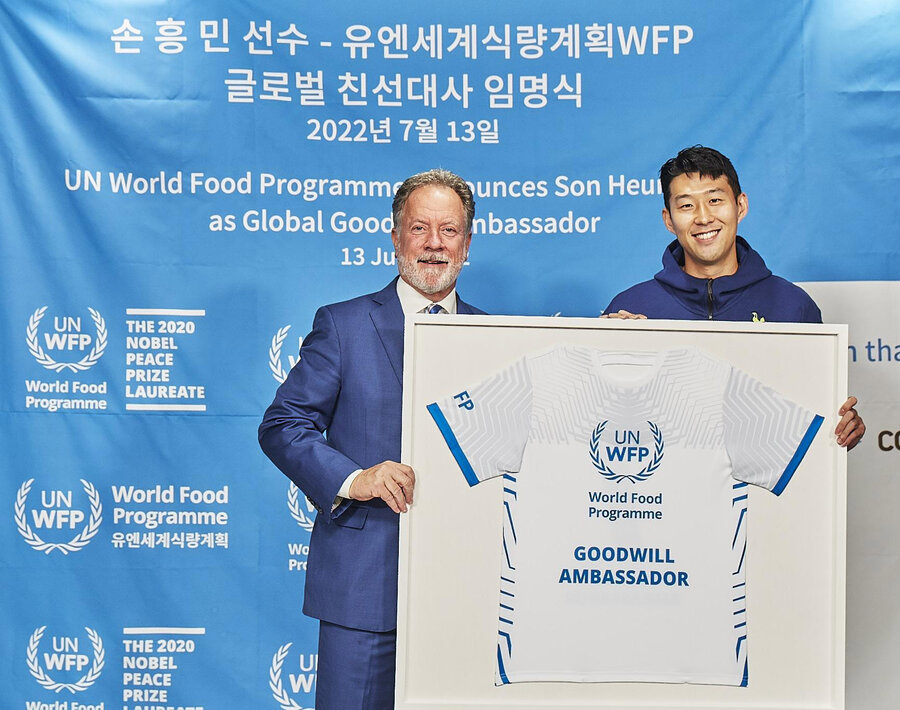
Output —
<point x="275" y="354"/>
<point x="85" y="682"/>
<point x="278" y="691"/>
<point x="296" y="511"/>
<point x="77" y="542"/>
<point x="88" y="361"/>
<point x="607" y="471"/>
<point x="278" y="372"/>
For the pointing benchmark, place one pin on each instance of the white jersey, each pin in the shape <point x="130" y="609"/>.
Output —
<point x="625" y="507"/>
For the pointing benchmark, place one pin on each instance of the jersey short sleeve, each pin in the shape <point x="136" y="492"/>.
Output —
<point x="766" y="435"/>
<point x="486" y="425"/>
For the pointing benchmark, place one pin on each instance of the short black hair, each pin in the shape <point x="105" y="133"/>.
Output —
<point x="707" y="162"/>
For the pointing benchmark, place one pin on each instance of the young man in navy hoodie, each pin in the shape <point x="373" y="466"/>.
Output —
<point x="709" y="272"/>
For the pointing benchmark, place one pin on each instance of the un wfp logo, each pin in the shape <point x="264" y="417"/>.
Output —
<point x="628" y="456"/>
<point x="275" y="366"/>
<point x="301" y="682"/>
<point x="56" y="514"/>
<point x="65" y="656"/>
<point x="67" y="338"/>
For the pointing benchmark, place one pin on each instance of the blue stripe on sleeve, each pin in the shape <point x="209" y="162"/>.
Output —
<point x="799" y="454"/>
<point x="452" y="443"/>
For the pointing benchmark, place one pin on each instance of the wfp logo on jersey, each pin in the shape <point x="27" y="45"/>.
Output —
<point x="301" y="677"/>
<point x="275" y="365"/>
<point x="57" y="515"/>
<point x="67" y="659"/>
<point x="631" y="453"/>
<point x="68" y="338"/>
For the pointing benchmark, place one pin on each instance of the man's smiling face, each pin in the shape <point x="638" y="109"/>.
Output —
<point x="432" y="240"/>
<point x="703" y="213"/>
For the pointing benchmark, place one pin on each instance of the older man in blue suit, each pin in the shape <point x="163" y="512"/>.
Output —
<point x="347" y="387"/>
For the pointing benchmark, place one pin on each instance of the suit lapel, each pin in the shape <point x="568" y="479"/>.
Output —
<point x="387" y="317"/>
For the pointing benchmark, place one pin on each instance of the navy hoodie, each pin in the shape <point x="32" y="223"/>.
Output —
<point x="751" y="293"/>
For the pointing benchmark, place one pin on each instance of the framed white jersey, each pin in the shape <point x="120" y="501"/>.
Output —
<point x="644" y="459"/>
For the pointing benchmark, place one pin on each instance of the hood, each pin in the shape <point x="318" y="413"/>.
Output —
<point x="694" y="292"/>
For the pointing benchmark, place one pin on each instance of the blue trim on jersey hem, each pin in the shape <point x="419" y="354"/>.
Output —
<point x="501" y="671"/>
<point x="452" y="443"/>
<point x="799" y="454"/>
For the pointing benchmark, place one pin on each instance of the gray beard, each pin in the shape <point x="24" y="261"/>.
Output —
<point x="414" y="276"/>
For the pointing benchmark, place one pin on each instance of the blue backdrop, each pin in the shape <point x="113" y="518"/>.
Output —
<point x="183" y="183"/>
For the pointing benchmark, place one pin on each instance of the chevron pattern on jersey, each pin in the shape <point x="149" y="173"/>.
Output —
<point x="761" y="430"/>
<point x="495" y="434"/>
<point x="683" y="397"/>
<point x="739" y="586"/>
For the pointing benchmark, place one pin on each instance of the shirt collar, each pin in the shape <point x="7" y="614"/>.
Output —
<point x="411" y="301"/>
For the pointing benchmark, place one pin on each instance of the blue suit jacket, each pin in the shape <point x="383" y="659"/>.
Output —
<point x="346" y="385"/>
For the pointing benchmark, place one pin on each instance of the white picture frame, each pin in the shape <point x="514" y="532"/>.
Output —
<point x="450" y="538"/>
